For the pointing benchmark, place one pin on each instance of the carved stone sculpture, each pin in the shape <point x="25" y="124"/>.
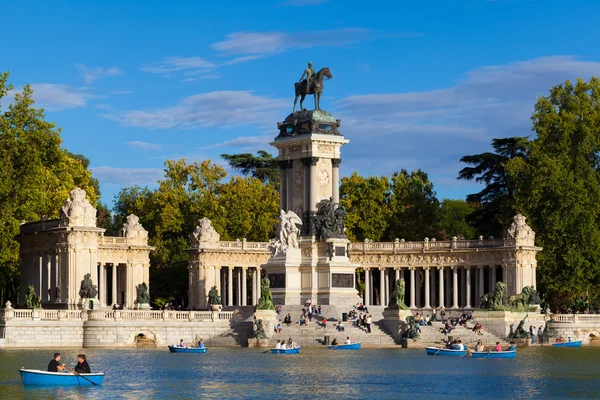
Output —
<point x="520" y="232"/>
<point x="397" y="296"/>
<point x="266" y="299"/>
<point x="204" y="233"/>
<point x="32" y="300"/>
<point x="329" y="220"/>
<point x="213" y="296"/>
<point x="8" y="306"/>
<point x="288" y="233"/>
<point x="87" y="289"/>
<point x="259" y="330"/>
<point x="495" y="299"/>
<point x="133" y="229"/>
<point x="142" y="293"/>
<point x="77" y="211"/>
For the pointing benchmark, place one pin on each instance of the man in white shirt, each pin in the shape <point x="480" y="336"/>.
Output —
<point x="348" y="341"/>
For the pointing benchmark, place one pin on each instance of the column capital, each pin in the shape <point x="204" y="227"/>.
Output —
<point x="230" y="267"/>
<point x="335" y="162"/>
<point x="244" y="268"/>
<point x="440" y="267"/>
<point x="382" y="268"/>
<point x="313" y="161"/>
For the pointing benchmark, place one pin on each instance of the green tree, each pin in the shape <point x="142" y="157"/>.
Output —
<point x="414" y="207"/>
<point x="367" y="203"/>
<point x="263" y="166"/>
<point x="37" y="176"/>
<point x="496" y="199"/>
<point x="560" y="190"/>
<point x="454" y="216"/>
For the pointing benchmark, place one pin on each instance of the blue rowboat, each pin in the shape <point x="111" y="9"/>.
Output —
<point x="45" y="378"/>
<point x="437" y="351"/>
<point x="568" y="344"/>
<point x="295" y="350"/>
<point x="351" y="346"/>
<point x="494" y="354"/>
<point x="177" y="349"/>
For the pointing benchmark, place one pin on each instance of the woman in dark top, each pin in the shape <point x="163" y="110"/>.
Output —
<point x="82" y="366"/>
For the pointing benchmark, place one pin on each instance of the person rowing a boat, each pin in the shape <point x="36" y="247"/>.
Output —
<point x="55" y="365"/>
<point x="182" y="343"/>
<point x="511" y="347"/>
<point x="348" y="341"/>
<point x="479" y="346"/>
<point x="82" y="366"/>
<point x="335" y="342"/>
<point x="498" y="347"/>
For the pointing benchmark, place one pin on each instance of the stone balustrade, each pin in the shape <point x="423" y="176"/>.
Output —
<point x="401" y="245"/>
<point x="244" y="245"/>
<point x="115" y="315"/>
<point x="575" y="318"/>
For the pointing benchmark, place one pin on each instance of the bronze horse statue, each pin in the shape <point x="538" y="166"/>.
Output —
<point x="316" y="88"/>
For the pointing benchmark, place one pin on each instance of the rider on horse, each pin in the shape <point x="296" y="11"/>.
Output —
<point x="309" y="72"/>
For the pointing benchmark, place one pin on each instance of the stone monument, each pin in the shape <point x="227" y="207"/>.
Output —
<point x="310" y="258"/>
<point x="142" y="297"/>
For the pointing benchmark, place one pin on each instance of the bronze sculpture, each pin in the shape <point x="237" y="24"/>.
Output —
<point x="312" y="86"/>
<point x="266" y="299"/>
<point x="397" y="296"/>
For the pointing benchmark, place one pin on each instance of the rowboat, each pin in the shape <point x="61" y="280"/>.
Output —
<point x="294" y="350"/>
<point x="37" y="377"/>
<point x="494" y="354"/>
<point x="438" y="351"/>
<point x="568" y="344"/>
<point x="177" y="349"/>
<point x="351" y="346"/>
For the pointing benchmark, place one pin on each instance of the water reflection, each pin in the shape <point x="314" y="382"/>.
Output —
<point x="315" y="373"/>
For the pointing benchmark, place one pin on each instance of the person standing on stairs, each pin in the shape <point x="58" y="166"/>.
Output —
<point x="369" y="321"/>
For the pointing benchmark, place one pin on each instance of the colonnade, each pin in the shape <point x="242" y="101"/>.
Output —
<point x="235" y="285"/>
<point x="44" y="268"/>
<point x="107" y="285"/>
<point x="431" y="287"/>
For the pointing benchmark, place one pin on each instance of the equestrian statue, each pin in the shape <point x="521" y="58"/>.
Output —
<point x="313" y="84"/>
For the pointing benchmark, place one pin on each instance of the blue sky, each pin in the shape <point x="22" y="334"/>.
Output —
<point x="417" y="84"/>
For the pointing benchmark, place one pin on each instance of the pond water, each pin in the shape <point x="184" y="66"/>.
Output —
<point x="315" y="373"/>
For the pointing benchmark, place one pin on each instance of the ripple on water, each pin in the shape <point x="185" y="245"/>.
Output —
<point x="315" y="373"/>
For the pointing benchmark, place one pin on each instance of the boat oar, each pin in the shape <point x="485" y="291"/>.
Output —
<point x="78" y="374"/>
<point x="440" y="349"/>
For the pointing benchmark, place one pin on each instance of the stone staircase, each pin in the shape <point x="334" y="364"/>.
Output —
<point x="241" y="329"/>
<point x="314" y="334"/>
<point x="432" y="335"/>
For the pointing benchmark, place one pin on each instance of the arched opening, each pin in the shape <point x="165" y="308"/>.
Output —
<point x="145" y="338"/>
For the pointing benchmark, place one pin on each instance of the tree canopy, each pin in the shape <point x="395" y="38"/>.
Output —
<point x="37" y="176"/>
<point x="495" y="201"/>
<point x="262" y="166"/>
<point x="559" y="190"/>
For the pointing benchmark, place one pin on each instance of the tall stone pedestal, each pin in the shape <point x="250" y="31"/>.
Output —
<point x="395" y="321"/>
<point x="269" y="319"/>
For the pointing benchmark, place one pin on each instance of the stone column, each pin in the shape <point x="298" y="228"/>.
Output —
<point x="313" y="184"/>
<point x="289" y="186"/>
<point x="433" y="298"/>
<point x="492" y="278"/>
<point x="448" y="299"/>
<point x="386" y="298"/>
<point x="244" y="283"/>
<point x="417" y="287"/>
<point x="427" y="305"/>
<point x="283" y="180"/>
<point x="238" y="287"/>
<point x="57" y="276"/>
<point x="257" y="291"/>
<point x="412" y="287"/>
<point x="454" y="287"/>
<point x="462" y="293"/>
<point x="254" y="272"/>
<point x="367" y="288"/>
<point x="113" y="299"/>
<point x="230" y="286"/>
<point x="397" y="272"/>
<point x="441" y="286"/>
<point x="38" y="275"/>
<point x="45" y="278"/>
<point x="468" y="287"/>
<point x="381" y="285"/>
<point x="102" y="286"/>
<point x="481" y="285"/>
<point x="335" y="179"/>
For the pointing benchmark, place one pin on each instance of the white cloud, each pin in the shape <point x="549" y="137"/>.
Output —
<point x="243" y="142"/>
<point x="91" y="74"/>
<point x="256" y="43"/>
<point x="168" y="65"/>
<point x="127" y="176"/>
<point x="213" y="109"/>
<point x="55" y="97"/>
<point x="144" y="145"/>
<point x="432" y="129"/>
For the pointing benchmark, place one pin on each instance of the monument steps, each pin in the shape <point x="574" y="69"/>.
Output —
<point x="431" y="334"/>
